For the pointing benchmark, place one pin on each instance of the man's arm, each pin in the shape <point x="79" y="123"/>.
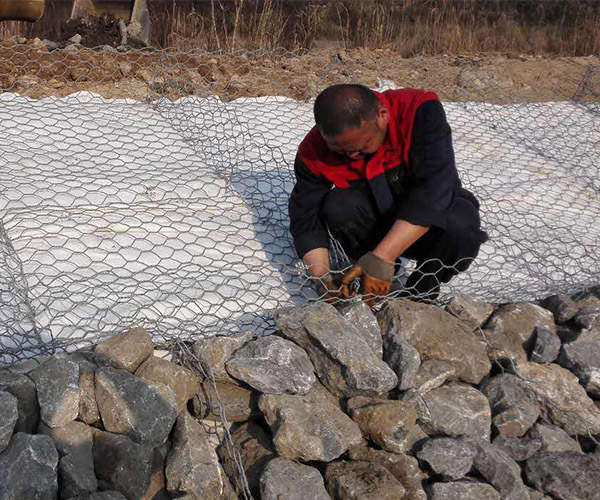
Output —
<point x="399" y="238"/>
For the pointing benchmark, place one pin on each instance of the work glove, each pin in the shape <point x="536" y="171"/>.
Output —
<point x="376" y="276"/>
<point x="329" y="289"/>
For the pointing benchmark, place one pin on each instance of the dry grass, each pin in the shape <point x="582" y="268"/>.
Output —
<point x="412" y="27"/>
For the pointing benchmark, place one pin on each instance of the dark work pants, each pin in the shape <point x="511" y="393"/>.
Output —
<point x="353" y="219"/>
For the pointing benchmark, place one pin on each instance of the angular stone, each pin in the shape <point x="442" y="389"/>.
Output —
<point x="238" y="403"/>
<point x="464" y="491"/>
<point x="121" y="464"/>
<point x="9" y="414"/>
<point x="513" y="405"/>
<point x="192" y="465"/>
<point x="554" y="438"/>
<point x="361" y="480"/>
<point x="342" y="358"/>
<point x="284" y="479"/>
<point x="391" y="425"/>
<point x="102" y="495"/>
<point x="179" y="379"/>
<point x="28" y="468"/>
<point x="144" y="411"/>
<point x="436" y="334"/>
<point x="509" y="332"/>
<point x="563" y="401"/>
<point x="591" y="381"/>
<point x="272" y="365"/>
<point x="88" y="409"/>
<point x="519" y="449"/>
<point x="456" y="411"/>
<point x="474" y="312"/>
<point x="309" y="427"/>
<point x="255" y="450"/>
<point x="403" y="467"/>
<point x="451" y="458"/>
<point x="566" y="475"/>
<point x="76" y="464"/>
<point x="546" y="346"/>
<point x="362" y="317"/>
<point x="500" y="470"/>
<point x="403" y="358"/>
<point x="582" y="357"/>
<point x="125" y="351"/>
<point x="214" y="352"/>
<point x="23" y="388"/>
<point x="57" y="384"/>
<point x="561" y="306"/>
<point x="588" y="315"/>
<point x="432" y="374"/>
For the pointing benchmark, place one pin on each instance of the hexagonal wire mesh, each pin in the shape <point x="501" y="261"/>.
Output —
<point x="169" y="211"/>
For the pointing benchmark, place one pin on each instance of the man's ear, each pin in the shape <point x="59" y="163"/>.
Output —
<point x="383" y="117"/>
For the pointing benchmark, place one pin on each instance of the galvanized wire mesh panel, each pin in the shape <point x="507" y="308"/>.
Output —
<point x="169" y="211"/>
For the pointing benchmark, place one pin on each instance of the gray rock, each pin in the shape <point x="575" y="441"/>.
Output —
<point x="57" y="384"/>
<point x="403" y="358"/>
<point x="403" y="467"/>
<point x="361" y="480"/>
<point x="76" y="464"/>
<point x="23" y="388"/>
<point x="546" y="346"/>
<point x="457" y="411"/>
<point x="255" y="450"/>
<point x="513" y="405"/>
<point x="474" y="312"/>
<point x="101" y="495"/>
<point x="588" y="315"/>
<point x="342" y="358"/>
<point x="437" y="335"/>
<point x="582" y="357"/>
<point x="451" y="458"/>
<point x="214" y="352"/>
<point x="309" y="427"/>
<point x="9" y="414"/>
<point x="432" y="374"/>
<point x="500" y="470"/>
<point x="519" y="449"/>
<point x="391" y="425"/>
<point x="361" y="316"/>
<point x="561" y="306"/>
<point x="283" y="478"/>
<point x="122" y="465"/>
<point x="88" y="409"/>
<point x="75" y="38"/>
<point x="591" y="381"/>
<point x="179" y="379"/>
<point x="125" y="351"/>
<point x="565" y="476"/>
<point x="509" y="332"/>
<point x="554" y="438"/>
<point x="192" y="465"/>
<point x="464" y="491"/>
<point x="273" y="365"/>
<point x="238" y="403"/>
<point x="50" y="45"/>
<point x="562" y="400"/>
<point x="144" y="411"/>
<point x="28" y="468"/>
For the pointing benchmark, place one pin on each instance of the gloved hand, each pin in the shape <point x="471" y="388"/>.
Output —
<point x="328" y="289"/>
<point x="376" y="274"/>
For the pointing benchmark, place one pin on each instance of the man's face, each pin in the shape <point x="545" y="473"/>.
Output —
<point x="362" y="141"/>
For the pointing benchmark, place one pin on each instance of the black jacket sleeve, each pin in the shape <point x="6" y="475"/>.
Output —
<point x="432" y="177"/>
<point x="306" y="226"/>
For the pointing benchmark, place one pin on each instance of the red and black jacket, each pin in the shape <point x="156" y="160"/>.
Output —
<point x="412" y="175"/>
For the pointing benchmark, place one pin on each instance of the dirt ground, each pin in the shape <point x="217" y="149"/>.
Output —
<point x="33" y="70"/>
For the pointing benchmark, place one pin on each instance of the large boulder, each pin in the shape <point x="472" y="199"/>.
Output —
<point x="309" y="427"/>
<point x="519" y="449"/>
<point x="343" y="359"/>
<point x="57" y="385"/>
<point x="562" y="400"/>
<point x="546" y="346"/>
<point x="554" y="438"/>
<point x="23" y="388"/>
<point x="450" y="458"/>
<point x="362" y="480"/>
<point x="272" y="365"/>
<point x="144" y="411"/>
<point x="566" y="475"/>
<point x="125" y="351"/>
<point x="214" y="352"/>
<point x="9" y="414"/>
<point x="284" y="479"/>
<point x="403" y="358"/>
<point x="28" y="468"/>
<point x="437" y="335"/>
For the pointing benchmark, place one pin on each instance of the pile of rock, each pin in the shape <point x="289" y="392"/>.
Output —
<point x="415" y="402"/>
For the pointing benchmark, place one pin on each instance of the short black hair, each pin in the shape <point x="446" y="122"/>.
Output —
<point x="344" y="106"/>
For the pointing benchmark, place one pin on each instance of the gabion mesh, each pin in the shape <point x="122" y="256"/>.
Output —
<point x="169" y="211"/>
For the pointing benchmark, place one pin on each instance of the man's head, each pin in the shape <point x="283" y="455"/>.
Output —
<point x="351" y="119"/>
